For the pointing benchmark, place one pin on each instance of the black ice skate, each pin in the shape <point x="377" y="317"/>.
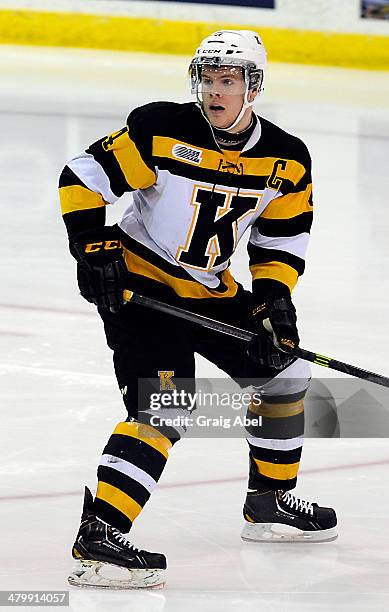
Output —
<point x="278" y="516"/>
<point x="105" y="558"/>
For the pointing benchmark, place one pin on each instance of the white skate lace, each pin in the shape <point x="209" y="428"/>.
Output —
<point x="123" y="540"/>
<point x="296" y="503"/>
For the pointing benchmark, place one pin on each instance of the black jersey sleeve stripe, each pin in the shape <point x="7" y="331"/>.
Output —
<point x="68" y="178"/>
<point x="82" y="220"/>
<point x="111" y="167"/>
<point x="75" y="196"/>
<point x="265" y="289"/>
<point x="285" y="227"/>
<point x="258" y="255"/>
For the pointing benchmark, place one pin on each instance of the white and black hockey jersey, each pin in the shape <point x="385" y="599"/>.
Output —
<point x="193" y="201"/>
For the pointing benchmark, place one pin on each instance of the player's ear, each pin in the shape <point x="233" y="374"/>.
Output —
<point x="252" y="95"/>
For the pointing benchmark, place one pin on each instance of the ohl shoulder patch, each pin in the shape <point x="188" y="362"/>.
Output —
<point x="187" y="153"/>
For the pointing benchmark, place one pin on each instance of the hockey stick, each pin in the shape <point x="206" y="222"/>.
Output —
<point x="243" y="334"/>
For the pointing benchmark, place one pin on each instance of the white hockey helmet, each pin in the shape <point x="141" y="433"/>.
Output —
<point x="231" y="48"/>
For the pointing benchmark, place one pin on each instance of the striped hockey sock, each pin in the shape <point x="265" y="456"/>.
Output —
<point x="276" y="445"/>
<point x="130" y="467"/>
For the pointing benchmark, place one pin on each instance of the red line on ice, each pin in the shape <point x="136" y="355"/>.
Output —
<point x="196" y="483"/>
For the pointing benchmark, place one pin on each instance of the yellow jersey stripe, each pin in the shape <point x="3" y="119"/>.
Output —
<point x="277" y="411"/>
<point x="119" y="500"/>
<point x="135" y="171"/>
<point x="147" y="434"/>
<point x="77" y="197"/>
<point x="183" y="288"/>
<point x="278" y="471"/>
<point x="276" y="270"/>
<point x="290" y="205"/>
<point x="294" y="171"/>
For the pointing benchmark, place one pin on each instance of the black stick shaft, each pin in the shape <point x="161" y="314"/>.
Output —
<point x="243" y="334"/>
<point x="340" y="366"/>
<point x="218" y="326"/>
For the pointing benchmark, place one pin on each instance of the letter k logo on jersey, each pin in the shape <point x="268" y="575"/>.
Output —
<point x="165" y="380"/>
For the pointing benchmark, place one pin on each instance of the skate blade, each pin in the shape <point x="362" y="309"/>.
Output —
<point x="99" y="574"/>
<point x="277" y="532"/>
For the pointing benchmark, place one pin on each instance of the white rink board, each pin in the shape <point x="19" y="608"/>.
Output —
<point x="321" y="15"/>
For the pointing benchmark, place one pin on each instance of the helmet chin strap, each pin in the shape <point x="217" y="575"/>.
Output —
<point x="246" y="104"/>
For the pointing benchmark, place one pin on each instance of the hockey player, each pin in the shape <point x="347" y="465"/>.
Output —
<point x="202" y="174"/>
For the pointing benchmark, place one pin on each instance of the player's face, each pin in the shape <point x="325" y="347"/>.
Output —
<point x="223" y="92"/>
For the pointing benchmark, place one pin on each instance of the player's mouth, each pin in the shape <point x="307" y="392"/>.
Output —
<point x="216" y="109"/>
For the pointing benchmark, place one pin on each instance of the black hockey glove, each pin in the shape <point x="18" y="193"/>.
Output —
<point x="277" y="333"/>
<point x="101" y="269"/>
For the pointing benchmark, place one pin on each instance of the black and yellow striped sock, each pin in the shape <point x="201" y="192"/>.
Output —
<point x="276" y="445"/>
<point x="130" y="467"/>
